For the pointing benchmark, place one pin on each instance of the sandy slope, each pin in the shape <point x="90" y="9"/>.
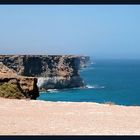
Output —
<point x="51" y="118"/>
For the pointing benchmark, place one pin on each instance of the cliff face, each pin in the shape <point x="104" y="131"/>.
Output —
<point x="15" y="86"/>
<point x="84" y="61"/>
<point x="53" y="71"/>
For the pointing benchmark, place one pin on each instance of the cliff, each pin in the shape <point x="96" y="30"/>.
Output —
<point x="52" y="71"/>
<point x="15" y="86"/>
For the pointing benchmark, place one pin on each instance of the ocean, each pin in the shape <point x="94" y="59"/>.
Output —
<point x="116" y="81"/>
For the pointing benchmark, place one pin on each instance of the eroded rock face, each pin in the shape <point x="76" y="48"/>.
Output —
<point x="60" y="82"/>
<point x="53" y="71"/>
<point x="6" y="70"/>
<point x="15" y="86"/>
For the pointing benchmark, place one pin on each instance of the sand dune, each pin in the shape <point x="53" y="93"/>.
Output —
<point x="30" y="117"/>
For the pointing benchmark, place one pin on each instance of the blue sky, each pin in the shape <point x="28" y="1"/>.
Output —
<point x="101" y="31"/>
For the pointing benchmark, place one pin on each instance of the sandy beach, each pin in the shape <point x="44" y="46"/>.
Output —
<point x="31" y="117"/>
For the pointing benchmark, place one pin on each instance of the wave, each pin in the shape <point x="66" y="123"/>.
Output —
<point x="94" y="87"/>
<point x="52" y="90"/>
<point x="67" y="89"/>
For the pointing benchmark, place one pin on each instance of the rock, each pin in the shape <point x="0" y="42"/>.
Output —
<point x="15" y="86"/>
<point x="6" y="70"/>
<point x="84" y="61"/>
<point x="60" y="82"/>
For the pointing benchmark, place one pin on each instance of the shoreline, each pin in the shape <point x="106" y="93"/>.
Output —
<point x="38" y="117"/>
<point x="95" y="103"/>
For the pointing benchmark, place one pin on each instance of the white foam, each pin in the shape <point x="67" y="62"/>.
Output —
<point x="52" y="90"/>
<point x="89" y="86"/>
<point x="94" y="86"/>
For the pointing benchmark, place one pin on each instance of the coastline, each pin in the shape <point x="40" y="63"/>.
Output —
<point x="35" y="117"/>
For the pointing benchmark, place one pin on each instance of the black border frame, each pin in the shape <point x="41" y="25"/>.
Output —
<point x="79" y="2"/>
<point x="68" y="2"/>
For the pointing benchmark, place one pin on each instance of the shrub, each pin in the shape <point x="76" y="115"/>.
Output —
<point x="9" y="90"/>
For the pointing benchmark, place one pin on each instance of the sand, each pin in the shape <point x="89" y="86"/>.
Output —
<point x="30" y="117"/>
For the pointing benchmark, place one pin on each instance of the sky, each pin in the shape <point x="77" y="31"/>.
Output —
<point x="100" y="31"/>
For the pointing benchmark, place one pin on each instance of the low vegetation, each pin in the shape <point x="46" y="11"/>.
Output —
<point x="8" y="90"/>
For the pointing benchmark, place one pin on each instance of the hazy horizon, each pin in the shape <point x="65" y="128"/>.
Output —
<point x="100" y="31"/>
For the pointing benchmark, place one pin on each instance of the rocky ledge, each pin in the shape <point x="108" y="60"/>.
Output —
<point x="15" y="86"/>
<point x="52" y="71"/>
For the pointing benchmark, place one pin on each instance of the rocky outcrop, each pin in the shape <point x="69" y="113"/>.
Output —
<point x="84" y="61"/>
<point x="14" y="86"/>
<point x="52" y="71"/>
<point x="6" y="70"/>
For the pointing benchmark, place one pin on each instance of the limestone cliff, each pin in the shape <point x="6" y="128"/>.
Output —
<point x="52" y="71"/>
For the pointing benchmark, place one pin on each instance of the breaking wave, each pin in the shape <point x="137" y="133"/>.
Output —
<point x="52" y="90"/>
<point x="76" y="88"/>
<point x="94" y="87"/>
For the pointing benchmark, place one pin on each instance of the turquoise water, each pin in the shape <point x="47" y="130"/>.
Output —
<point x="116" y="81"/>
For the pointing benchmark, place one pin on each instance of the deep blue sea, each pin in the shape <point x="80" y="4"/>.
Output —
<point x="116" y="81"/>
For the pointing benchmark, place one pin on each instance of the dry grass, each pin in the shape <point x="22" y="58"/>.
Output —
<point x="8" y="90"/>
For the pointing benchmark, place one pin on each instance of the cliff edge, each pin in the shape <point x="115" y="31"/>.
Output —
<point x="52" y="71"/>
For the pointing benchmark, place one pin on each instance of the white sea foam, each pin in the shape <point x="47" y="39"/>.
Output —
<point x="89" y="86"/>
<point x="86" y="87"/>
<point x="94" y="86"/>
<point x="52" y="90"/>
